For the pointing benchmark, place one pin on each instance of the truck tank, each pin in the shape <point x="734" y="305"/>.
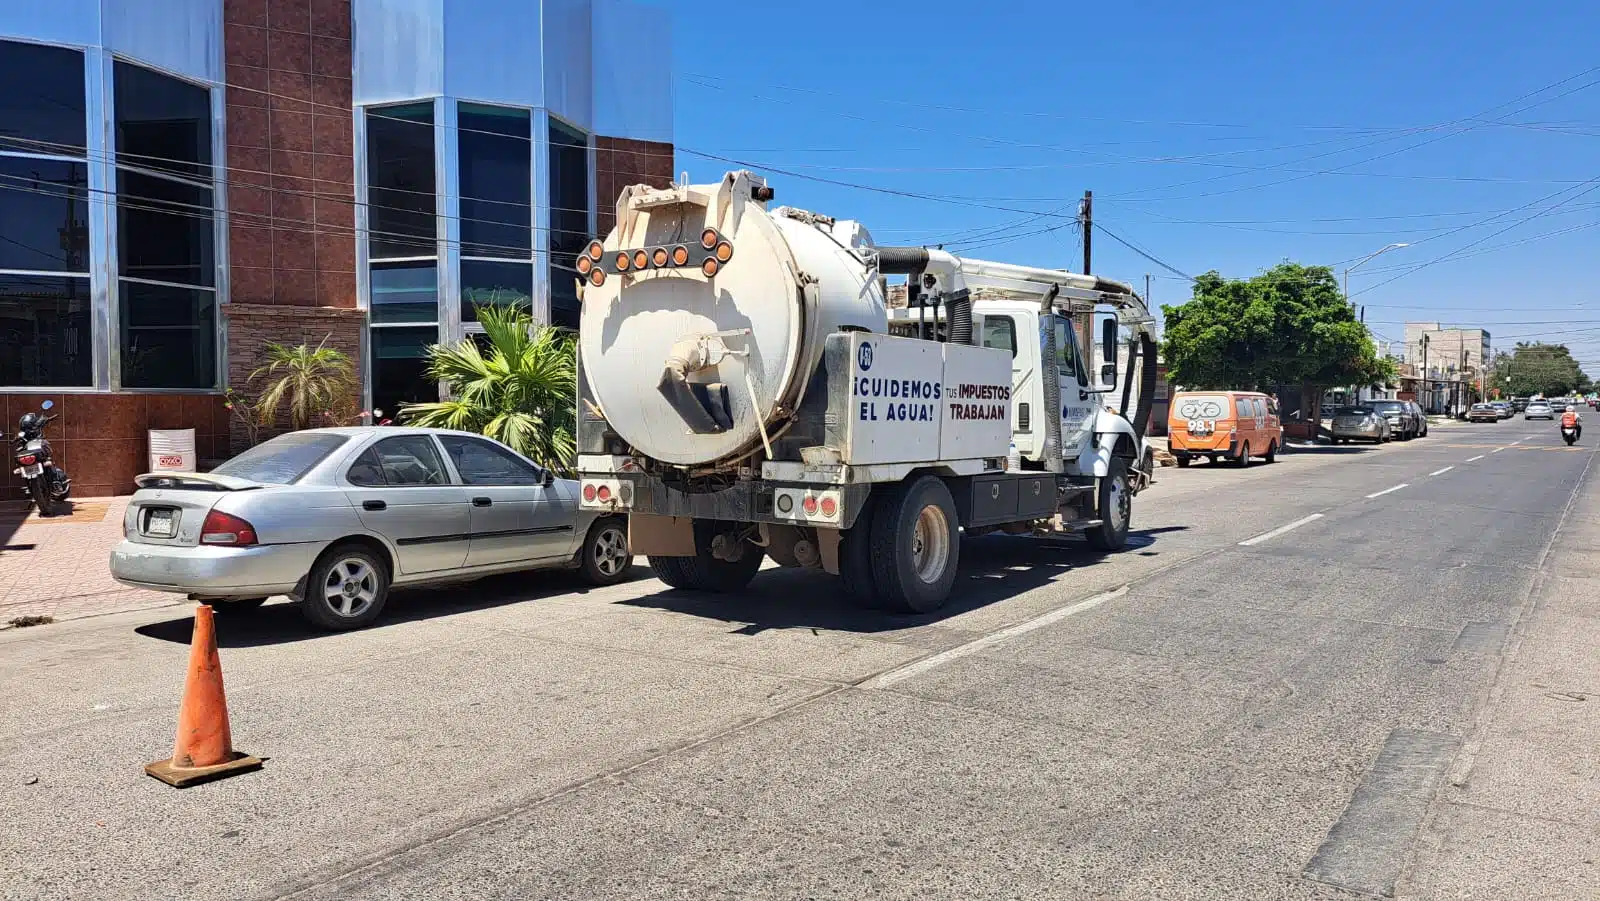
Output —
<point x="704" y="315"/>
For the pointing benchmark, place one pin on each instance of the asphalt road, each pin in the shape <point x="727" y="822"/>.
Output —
<point x="1296" y="684"/>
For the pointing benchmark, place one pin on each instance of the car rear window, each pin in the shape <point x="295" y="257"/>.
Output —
<point x="284" y="459"/>
<point x="1352" y="411"/>
<point x="1201" y="406"/>
<point x="1392" y="405"/>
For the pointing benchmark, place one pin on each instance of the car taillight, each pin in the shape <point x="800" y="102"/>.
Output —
<point x="589" y="493"/>
<point x="27" y="459"/>
<point x="225" y="528"/>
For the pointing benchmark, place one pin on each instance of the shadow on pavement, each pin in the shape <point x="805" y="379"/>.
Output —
<point x="280" y="623"/>
<point x="993" y="568"/>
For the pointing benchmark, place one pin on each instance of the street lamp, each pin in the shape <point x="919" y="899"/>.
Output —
<point x="1361" y="262"/>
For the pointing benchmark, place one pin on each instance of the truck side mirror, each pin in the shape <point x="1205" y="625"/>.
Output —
<point x="1108" y="352"/>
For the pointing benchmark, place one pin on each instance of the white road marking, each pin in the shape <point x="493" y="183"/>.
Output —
<point x="1440" y="472"/>
<point x="992" y="639"/>
<point x="1267" y="536"/>
<point x="1387" y="490"/>
<point x="1519" y="441"/>
<point x="1475" y="459"/>
<point x="1497" y="450"/>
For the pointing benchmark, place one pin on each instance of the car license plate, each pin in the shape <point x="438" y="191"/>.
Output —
<point x="33" y="470"/>
<point x="161" y="524"/>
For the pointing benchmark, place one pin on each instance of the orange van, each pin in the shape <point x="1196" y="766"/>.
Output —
<point x="1223" y="425"/>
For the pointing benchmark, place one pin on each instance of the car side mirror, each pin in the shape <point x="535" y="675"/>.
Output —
<point x="548" y="479"/>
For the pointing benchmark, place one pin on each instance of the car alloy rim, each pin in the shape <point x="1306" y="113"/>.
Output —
<point x="930" y="544"/>
<point x="351" y="588"/>
<point x="610" y="551"/>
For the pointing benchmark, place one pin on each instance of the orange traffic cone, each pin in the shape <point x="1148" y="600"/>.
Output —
<point x="204" y="750"/>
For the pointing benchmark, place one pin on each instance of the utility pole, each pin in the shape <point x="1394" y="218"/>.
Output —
<point x="1426" y="384"/>
<point x="1086" y="222"/>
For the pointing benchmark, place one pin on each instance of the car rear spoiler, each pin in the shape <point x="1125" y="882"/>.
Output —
<point x="193" y="481"/>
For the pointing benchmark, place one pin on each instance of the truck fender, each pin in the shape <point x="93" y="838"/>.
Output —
<point x="1113" y="437"/>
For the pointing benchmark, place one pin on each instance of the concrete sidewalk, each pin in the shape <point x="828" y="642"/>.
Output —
<point x="57" y="567"/>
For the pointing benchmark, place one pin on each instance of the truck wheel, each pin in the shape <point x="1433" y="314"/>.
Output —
<point x="916" y="547"/>
<point x="1183" y="462"/>
<point x="704" y="571"/>
<point x="1114" y="506"/>
<point x="855" y="557"/>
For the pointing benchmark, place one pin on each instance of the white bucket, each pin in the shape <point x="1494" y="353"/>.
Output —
<point x="172" y="450"/>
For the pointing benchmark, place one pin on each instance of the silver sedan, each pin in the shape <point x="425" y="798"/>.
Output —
<point x="1361" y="423"/>
<point x="334" y="517"/>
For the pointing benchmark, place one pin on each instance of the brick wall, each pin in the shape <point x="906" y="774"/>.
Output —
<point x="291" y="177"/>
<point x="102" y="440"/>
<point x="252" y="326"/>
<point x="290" y="157"/>
<point x="620" y="162"/>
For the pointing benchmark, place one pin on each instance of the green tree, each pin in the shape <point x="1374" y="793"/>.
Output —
<point x="1538" y="368"/>
<point x="313" y="381"/>
<point x="520" y="390"/>
<point x="1289" y="325"/>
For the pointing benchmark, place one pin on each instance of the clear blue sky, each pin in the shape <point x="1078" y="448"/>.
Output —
<point x="1204" y="130"/>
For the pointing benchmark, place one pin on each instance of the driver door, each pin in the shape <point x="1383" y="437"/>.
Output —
<point x="1077" y="401"/>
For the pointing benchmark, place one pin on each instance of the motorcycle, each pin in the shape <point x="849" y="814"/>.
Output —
<point x="1569" y="434"/>
<point x="48" y="485"/>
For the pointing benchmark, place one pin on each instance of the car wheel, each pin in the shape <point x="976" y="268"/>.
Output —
<point x="226" y="606"/>
<point x="1243" y="460"/>
<point x="605" y="558"/>
<point x="346" y="589"/>
<point x="1272" y="453"/>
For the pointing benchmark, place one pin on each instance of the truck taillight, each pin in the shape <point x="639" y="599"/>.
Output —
<point x="225" y="528"/>
<point x="809" y="505"/>
<point x="603" y="493"/>
<point x="830" y="507"/>
<point x="589" y="493"/>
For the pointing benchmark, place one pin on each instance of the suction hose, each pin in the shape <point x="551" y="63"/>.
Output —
<point x="1051" y="382"/>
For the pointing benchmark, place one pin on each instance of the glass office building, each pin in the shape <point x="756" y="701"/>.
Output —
<point x="184" y="181"/>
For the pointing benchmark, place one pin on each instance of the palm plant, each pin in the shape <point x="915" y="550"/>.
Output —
<point x="311" y="379"/>
<point x="520" y="390"/>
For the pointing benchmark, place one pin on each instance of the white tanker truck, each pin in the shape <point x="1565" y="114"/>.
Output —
<point x="745" y="392"/>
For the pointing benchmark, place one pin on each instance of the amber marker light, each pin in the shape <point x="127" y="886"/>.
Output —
<point x="708" y="238"/>
<point x="641" y="260"/>
<point x="622" y="261"/>
<point x="597" y="277"/>
<point x="709" y="267"/>
<point x="585" y="263"/>
<point x="680" y="255"/>
<point x="724" y="252"/>
<point x="596" y="249"/>
<point x="659" y="257"/>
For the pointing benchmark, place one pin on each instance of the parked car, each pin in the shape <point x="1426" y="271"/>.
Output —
<point x="1519" y="404"/>
<point x="1538" y="409"/>
<point x="1403" y="423"/>
<point x="334" y="518"/>
<point x="1504" y="408"/>
<point x="1422" y="417"/>
<point x="1359" y="423"/>
<point x="1231" y="425"/>
<point x="1483" y="413"/>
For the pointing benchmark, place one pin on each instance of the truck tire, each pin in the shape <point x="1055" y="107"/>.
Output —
<point x="703" y="571"/>
<point x="916" y="546"/>
<point x="1113" y="506"/>
<point x="855" y="557"/>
